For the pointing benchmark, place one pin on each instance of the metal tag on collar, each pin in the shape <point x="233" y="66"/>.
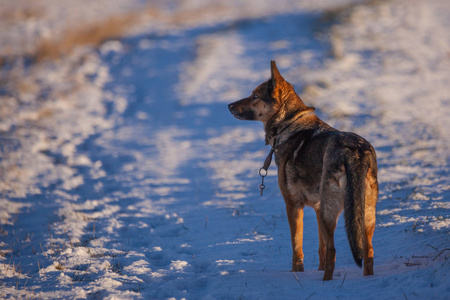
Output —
<point x="263" y="171"/>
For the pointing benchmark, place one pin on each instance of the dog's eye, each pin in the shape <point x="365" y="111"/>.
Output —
<point x="255" y="96"/>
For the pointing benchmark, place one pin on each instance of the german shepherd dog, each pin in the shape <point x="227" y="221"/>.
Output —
<point x="318" y="166"/>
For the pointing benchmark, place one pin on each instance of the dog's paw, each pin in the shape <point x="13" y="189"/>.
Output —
<point x="368" y="266"/>
<point x="327" y="276"/>
<point x="298" y="267"/>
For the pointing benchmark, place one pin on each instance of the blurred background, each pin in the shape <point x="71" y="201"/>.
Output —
<point x="122" y="173"/>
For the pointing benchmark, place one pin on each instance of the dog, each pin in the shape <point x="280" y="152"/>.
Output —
<point x="318" y="166"/>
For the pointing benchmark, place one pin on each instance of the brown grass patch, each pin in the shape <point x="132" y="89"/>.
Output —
<point x="93" y="34"/>
<point x="20" y="14"/>
<point x="117" y="26"/>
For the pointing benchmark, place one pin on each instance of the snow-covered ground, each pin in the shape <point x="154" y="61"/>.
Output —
<point x="123" y="175"/>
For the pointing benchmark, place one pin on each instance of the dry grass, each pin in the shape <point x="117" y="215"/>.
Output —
<point x="93" y="34"/>
<point x="117" y="26"/>
<point x="20" y="14"/>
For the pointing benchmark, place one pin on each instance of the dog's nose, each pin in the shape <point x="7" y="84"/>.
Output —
<point x="230" y="106"/>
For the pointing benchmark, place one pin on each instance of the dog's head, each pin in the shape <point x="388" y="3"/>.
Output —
<point x="266" y="100"/>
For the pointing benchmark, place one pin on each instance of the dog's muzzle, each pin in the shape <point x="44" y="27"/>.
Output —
<point x="239" y="113"/>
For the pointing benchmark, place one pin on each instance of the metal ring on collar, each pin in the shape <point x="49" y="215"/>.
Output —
<point x="263" y="174"/>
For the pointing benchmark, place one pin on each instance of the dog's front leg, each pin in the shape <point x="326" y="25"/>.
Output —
<point x="295" y="218"/>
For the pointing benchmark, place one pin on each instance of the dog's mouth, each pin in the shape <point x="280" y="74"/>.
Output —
<point x="242" y="117"/>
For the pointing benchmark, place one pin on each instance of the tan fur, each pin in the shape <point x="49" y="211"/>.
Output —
<point x="263" y="111"/>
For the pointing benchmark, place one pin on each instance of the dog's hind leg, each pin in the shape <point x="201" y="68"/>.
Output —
<point x="295" y="218"/>
<point x="368" y="250"/>
<point x="331" y="205"/>
<point x="371" y="196"/>
<point x="327" y="226"/>
<point x="322" y="249"/>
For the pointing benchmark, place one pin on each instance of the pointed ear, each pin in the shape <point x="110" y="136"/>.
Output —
<point x="280" y="87"/>
<point x="277" y="79"/>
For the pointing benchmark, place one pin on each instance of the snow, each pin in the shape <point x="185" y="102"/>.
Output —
<point x="124" y="176"/>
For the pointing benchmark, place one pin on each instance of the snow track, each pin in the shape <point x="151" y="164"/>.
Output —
<point x="125" y="176"/>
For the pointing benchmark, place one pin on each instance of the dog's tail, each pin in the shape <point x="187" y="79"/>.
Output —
<point x="356" y="170"/>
